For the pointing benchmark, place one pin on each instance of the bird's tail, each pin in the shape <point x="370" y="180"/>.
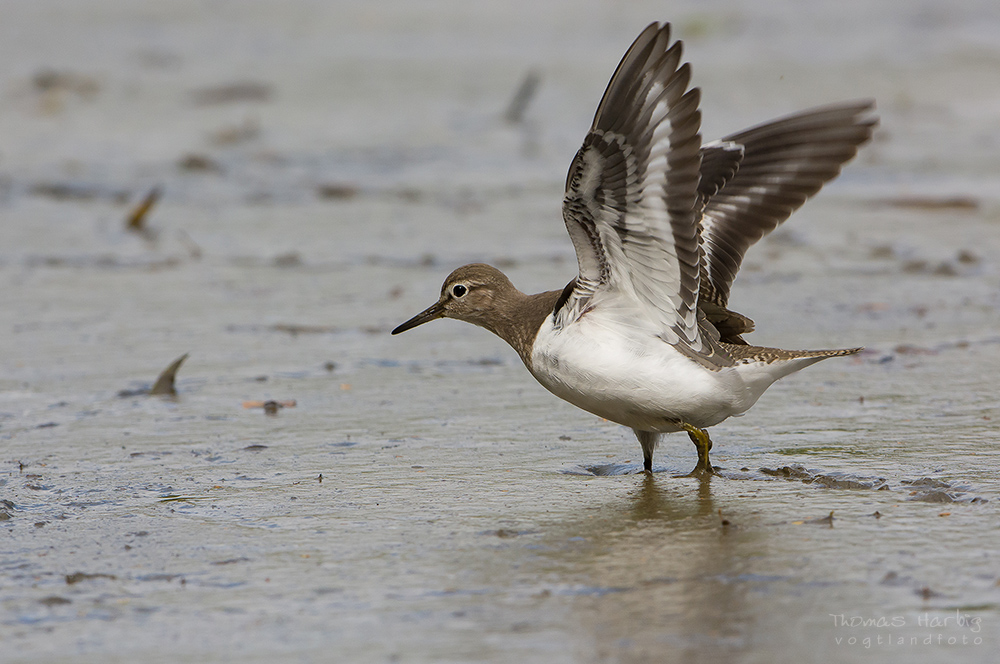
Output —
<point x="777" y="363"/>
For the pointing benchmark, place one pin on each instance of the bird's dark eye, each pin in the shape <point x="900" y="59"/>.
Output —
<point x="459" y="290"/>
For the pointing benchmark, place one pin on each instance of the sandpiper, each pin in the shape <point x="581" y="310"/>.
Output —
<point x="660" y="222"/>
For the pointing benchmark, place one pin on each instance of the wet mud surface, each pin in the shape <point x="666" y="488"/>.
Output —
<point x="211" y="448"/>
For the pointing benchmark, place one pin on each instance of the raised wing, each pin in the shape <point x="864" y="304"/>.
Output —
<point x="783" y="163"/>
<point x="631" y="203"/>
<point x="719" y="163"/>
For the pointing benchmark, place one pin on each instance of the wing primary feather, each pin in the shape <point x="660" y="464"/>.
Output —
<point x="783" y="163"/>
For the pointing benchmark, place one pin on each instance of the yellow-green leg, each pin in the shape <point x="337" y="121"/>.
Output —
<point x="703" y="443"/>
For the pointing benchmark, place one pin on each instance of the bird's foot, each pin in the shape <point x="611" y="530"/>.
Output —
<point x="704" y="469"/>
<point x="703" y="472"/>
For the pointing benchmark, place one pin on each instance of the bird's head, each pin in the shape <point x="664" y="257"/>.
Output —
<point x="469" y="293"/>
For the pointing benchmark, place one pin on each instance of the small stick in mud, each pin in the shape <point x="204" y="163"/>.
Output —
<point x="522" y="97"/>
<point x="164" y="384"/>
<point x="136" y="219"/>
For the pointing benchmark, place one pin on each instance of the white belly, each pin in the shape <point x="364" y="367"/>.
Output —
<point x="631" y="377"/>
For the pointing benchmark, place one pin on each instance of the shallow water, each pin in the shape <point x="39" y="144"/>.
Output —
<point x="323" y="167"/>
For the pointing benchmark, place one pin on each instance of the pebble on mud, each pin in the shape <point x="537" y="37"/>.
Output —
<point x="229" y="93"/>
<point x="931" y="203"/>
<point x="77" y="577"/>
<point x="270" y="406"/>
<point x="198" y="163"/>
<point x="337" y="191"/>
<point x="54" y="600"/>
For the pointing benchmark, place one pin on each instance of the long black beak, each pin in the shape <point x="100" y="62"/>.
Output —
<point x="432" y="312"/>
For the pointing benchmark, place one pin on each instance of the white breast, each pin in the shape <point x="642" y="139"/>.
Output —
<point x="605" y="364"/>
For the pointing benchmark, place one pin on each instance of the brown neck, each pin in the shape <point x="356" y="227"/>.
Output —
<point x="516" y="320"/>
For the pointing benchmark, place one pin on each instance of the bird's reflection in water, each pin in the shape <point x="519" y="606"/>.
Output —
<point x="661" y="567"/>
<point x="652" y="500"/>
